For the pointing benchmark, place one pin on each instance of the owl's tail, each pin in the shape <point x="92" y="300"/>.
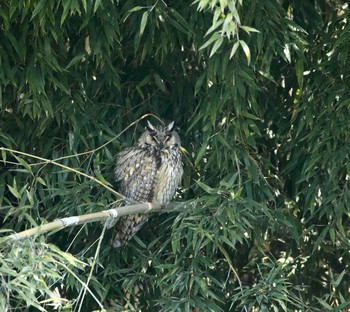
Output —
<point x="126" y="228"/>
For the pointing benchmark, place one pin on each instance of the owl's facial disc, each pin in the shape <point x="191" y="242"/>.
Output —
<point x="158" y="141"/>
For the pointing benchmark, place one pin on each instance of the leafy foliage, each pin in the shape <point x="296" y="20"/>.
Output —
<point x="259" y="90"/>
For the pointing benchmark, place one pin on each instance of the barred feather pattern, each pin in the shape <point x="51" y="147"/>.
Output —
<point x="148" y="172"/>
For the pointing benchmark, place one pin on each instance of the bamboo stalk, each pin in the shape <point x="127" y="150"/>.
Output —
<point x="62" y="223"/>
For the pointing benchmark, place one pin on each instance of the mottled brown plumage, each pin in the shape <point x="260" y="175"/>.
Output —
<point x="150" y="171"/>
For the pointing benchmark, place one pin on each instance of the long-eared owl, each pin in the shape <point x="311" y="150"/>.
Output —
<point x="150" y="171"/>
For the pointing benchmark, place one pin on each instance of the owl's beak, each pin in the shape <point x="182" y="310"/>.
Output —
<point x="160" y="145"/>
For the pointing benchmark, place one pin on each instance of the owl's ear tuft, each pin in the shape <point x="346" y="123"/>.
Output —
<point x="150" y="127"/>
<point x="171" y="127"/>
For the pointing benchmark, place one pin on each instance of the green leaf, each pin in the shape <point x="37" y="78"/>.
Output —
<point x="216" y="46"/>
<point x="299" y="71"/>
<point x="206" y="188"/>
<point x="96" y="5"/>
<point x="199" y="83"/>
<point x="214" y="26"/>
<point x="24" y="164"/>
<point x="160" y="83"/>
<point x="76" y="59"/>
<point x="41" y="181"/>
<point x="136" y="8"/>
<point x="245" y="49"/>
<point x="248" y="30"/>
<point x="250" y="116"/>
<point x="223" y="141"/>
<point x="233" y="9"/>
<point x="287" y="53"/>
<point x="180" y="23"/>
<point x="3" y="154"/>
<point x="213" y="38"/>
<point x="201" y="153"/>
<point x="38" y="8"/>
<point x="339" y="279"/>
<point x="143" y="22"/>
<point x="324" y="304"/>
<point x="66" y="8"/>
<point x="223" y="5"/>
<point x="234" y="49"/>
<point x="14" y="191"/>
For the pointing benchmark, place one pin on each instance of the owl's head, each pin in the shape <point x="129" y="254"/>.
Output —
<point x="160" y="137"/>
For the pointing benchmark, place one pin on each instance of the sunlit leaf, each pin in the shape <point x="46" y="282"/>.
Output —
<point x="143" y="22"/>
<point x="248" y="29"/>
<point x="214" y="37"/>
<point x="299" y="71"/>
<point x="14" y="191"/>
<point x="234" y="49"/>
<point x="245" y="49"/>
<point x="216" y="46"/>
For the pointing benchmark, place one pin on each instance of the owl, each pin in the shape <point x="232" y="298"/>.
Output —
<point x="150" y="171"/>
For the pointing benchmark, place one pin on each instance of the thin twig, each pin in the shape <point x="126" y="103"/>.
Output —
<point x="81" y="282"/>
<point x="92" y="266"/>
<point x="64" y="167"/>
<point x="224" y="252"/>
<point x="108" y="142"/>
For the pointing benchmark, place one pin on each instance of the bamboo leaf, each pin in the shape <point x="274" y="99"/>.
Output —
<point x="213" y="38"/>
<point x="38" y="8"/>
<point x="216" y="46"/>
<point x="234" y="49"/>
<point x="205" y="187"/>
<point x="246" y="50"/>
<point x="14" y="191"/>
<point x="299" y="71"/>
<point x="248" y="30"/>
<point x="143" y="22"/>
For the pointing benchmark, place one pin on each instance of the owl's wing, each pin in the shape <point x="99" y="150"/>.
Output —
<point x="169" y="178"/>
<point x="136" y="170"/>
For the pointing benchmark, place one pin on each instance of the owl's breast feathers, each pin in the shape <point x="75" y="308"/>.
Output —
<point x="148" y="174"/>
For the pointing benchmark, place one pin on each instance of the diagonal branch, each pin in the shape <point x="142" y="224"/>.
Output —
<point x="60" y="224"/>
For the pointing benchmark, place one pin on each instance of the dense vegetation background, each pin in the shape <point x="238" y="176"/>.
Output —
<point x="260" y="94"/>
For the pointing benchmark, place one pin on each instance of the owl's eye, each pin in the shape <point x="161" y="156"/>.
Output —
<point x="167" y="137"/>
<point x="154" y="138"/>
